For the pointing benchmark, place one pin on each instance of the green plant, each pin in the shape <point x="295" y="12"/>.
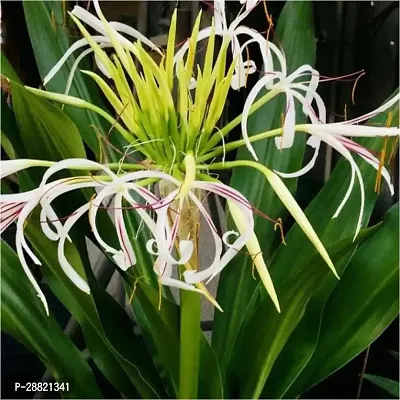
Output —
<point x="281" y="331"/>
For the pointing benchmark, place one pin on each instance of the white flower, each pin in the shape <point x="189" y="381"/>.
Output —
<point x="166" y="228"/>
<point x="103" y="39"/>
<point x="279" y="82"/>
<point x="231" y="32"/>
<point x="337" y="136"/>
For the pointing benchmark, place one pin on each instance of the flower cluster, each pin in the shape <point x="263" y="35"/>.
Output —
<point x="171" y="117"/>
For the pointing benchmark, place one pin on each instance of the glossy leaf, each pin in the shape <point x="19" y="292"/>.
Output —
<point x="301" y="344"/>
<point x="261" y="343"/>
<point x="47" y="133"/>
<point x="296" y="36"/>
<point x="388" y="385"/>
<point x="361" y="307"/>
<point x="48" y="27"/>
<point x="119" y="354"/>
<point x="298" y="251"/>
<point x="23" y="316"/>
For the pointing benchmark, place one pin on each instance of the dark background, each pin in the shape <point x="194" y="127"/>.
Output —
<point x="350" y="36"/>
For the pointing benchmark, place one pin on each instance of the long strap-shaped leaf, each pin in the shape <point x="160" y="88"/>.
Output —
<point x="49" y="33"/>
<point x="236" y="286"/>
<point x="363" y="304"/>
<point x="23" y="316"/>
<point x="298" y="253"/>
<point x="265" y="332"/>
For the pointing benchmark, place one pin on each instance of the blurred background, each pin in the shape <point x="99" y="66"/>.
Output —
<point x="351" y="36"/>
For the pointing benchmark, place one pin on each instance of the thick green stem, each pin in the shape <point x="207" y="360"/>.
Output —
<point x="190" y="335"/>
<point x="239" y="143"/>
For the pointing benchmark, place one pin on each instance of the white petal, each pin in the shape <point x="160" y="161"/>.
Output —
<point x="368" y="157"/>
<point x="246" y="109"/>
<point x="8" y="214"/>
<point x="75" y="46"/>
<point x="178" y="284"/>
<point x="353" y="130"/>
<point x="20" y="243"/>
<point x="9" y="167"/>
<point x="124" y="241"/>
<point x="50" y="195"/>
<point x="286" y="140"/>
<point x="219" y="15"/>
<point x="338" y="146"/>
<point x="307" y="103"/>
<point x="77" y="280"/>
<point x="73" y="163"/>
<point x="312" y="142"/>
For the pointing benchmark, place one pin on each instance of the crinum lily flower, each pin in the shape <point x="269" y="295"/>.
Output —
<point x="337" y="136"/>
<point x="175" y="139"/>
<point x="279" y="82"/>
<point x="103" y="39"/>
<point x="164" y="235"/>
<point x="230" y="33"/>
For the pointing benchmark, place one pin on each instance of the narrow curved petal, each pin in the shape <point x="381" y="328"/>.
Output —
<point x="369" y="158"/>
<point x="313" y="84"/>
<point x="75" y="46"/>
<point x="9" y="167"/>
<point x="371" y="114"/>
<point x="21" y="245"/>
<point x="246" y="110"/>
<point x="307" y="103"/>
<point x="74" y="163"/>
<point x="124" y="240"/>
<point x="219" y="15"/>
<point x="286" y="140"/>
<point x="195" y="276"/>
<point x="77" y="280"/>
<point x="50" y="195"/>
<point x="312" y="142"/>
<point x="354" y="130"/>
<point x="9" y="213"/>
<point x="340" y="148"/>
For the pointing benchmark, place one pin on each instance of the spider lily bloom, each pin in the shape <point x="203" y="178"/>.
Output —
<point x="337" y="136"/>
<point x="22" y="205"/>
<point x="229" y="33"/>
<point x="103" y="39"/>
<point x="190" y="194"/>
<point x="279" y="82"/>
<point x="18" y="207"/>
<point x="161" y="130"/>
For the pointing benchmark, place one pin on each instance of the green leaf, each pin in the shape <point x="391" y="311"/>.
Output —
<point x="49" y="34"/>
<point x="299" y="252"/>
<point x="301" y="344"/>
<point x="362" y="305"/>
<point x="23" y="316"/>
<point x="47" y="133"/>
<point x="389" y="385"/>
<point x="260" y="344"/>
<point x="7" y="70"/>
<point x="118" y="353"/>
<point x="236" y="286"/>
